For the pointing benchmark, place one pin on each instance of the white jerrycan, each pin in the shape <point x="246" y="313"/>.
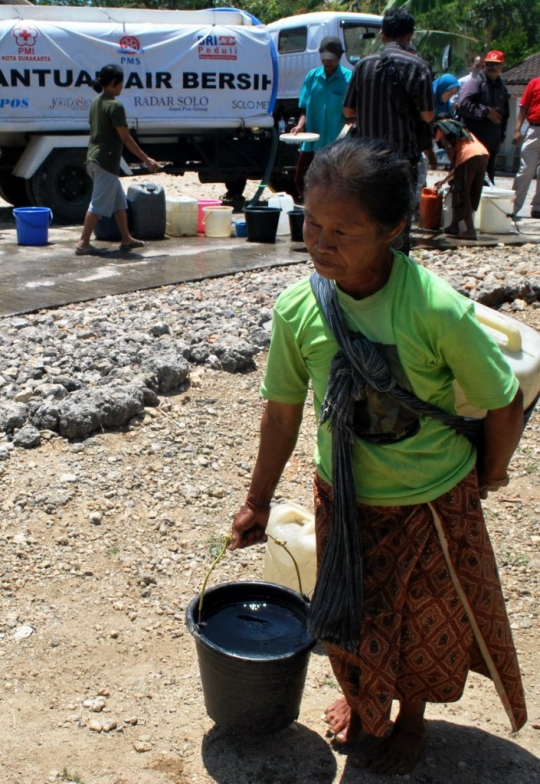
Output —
<point x="286" y="203"/>
<point x="295" y="526"/>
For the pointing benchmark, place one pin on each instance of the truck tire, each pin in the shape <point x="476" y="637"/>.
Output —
<point x="15" y="191"/>
<point x="62" y="184"/>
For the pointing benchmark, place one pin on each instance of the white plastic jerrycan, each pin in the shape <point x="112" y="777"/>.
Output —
<point x="295" y="526"/>
<point x="286" y="203"/>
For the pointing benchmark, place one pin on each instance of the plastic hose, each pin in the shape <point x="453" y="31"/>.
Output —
<point x="268" y="170"/>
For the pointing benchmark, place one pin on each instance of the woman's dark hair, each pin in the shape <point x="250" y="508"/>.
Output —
<point x="109" y="74"/>
<point x="378" y="177"/>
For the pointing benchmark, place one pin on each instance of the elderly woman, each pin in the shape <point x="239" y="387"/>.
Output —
<point x="407" y="597"/>
<point x="445" y="88"/>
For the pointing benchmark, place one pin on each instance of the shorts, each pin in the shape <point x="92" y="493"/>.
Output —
<point x="107" y="193"/>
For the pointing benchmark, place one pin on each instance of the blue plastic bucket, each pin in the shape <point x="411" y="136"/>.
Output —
<point x="32" y="225"/>
<point x="241" y="228"/>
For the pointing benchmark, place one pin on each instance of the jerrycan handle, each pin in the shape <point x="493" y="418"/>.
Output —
<point x="226" y="543"/>
<point x="493" y="320"/>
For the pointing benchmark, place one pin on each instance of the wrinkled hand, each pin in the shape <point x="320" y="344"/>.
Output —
<point x="249" y="526"/>
<point x="486" y="486"/>
<point x="494" y="116"/>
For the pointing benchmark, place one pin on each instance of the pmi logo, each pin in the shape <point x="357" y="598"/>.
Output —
<point x="130" y="43"/>
<point x="25" y="38"/>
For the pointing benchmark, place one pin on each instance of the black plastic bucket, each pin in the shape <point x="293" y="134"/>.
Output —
<point x="251" y="692"/>
<point x="107" y="229"/>
<point x="262" y="223"/>
<point x="296" y="222"/>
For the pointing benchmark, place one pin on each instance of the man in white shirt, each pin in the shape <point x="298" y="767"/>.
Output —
<point x="477" y="65"/>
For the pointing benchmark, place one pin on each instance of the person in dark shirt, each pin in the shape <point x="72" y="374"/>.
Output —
<point x="484" y="107"/>
<point x="109" y="133"/>
<point x="391" y="91"/>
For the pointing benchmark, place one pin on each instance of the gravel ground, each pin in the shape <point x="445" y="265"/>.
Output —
<point x="106" y="539"/>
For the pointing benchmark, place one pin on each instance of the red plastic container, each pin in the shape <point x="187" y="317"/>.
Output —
<point x="430" y="212"/>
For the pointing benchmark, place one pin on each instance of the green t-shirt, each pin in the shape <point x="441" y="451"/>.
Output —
<point x="106" y="115"/>
<point x="430" y="337"/>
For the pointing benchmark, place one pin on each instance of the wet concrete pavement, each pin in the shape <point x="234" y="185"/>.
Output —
<point x="36" y="277"/>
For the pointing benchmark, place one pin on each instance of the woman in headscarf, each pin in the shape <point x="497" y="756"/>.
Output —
<point x="468" y="163"/>
<point x="444" y="89"/>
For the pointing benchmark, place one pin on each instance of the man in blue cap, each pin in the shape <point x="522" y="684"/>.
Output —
<point x="321" y="105"/>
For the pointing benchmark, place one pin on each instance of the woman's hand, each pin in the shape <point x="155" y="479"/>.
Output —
<point x="249" y="526"/>
<point x="486" y="486"/>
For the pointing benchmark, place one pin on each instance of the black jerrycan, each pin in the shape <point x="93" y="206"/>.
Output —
<point x="147" y="211"/>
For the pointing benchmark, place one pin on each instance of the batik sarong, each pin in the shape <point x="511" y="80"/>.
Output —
<point x="433" y="607"/>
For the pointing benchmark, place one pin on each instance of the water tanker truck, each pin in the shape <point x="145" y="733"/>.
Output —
<point x="201" y="93"/>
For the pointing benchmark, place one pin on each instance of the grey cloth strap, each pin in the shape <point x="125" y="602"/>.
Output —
<point x="336" y="608"/>
<point x="371" y="368"/>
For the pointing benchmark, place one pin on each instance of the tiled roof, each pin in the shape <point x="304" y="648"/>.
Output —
<point x="524" y="72"/>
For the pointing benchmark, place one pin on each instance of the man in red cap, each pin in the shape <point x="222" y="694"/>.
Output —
<point x="484" y="107"/>
<point x="529" y="109"/>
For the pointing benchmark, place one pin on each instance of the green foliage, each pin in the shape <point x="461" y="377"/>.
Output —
<point x="512" y="26"/>
<point x="474" y="25"/>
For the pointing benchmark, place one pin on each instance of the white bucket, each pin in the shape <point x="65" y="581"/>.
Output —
<point x="217" y="221"/>
<point x="447" y="213"/>
<point x="285" y="203"/>
<point x="182" y="216"/>
<point x="496" y="205"/>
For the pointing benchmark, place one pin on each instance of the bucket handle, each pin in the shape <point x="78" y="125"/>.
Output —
<point x="208" y="212"/>
<point x="226" y="542"/>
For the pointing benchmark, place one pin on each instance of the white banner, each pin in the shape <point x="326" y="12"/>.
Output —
<point x="189" y="76"/>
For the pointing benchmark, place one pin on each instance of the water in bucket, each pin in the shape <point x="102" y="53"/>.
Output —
<point x="32" y="224"/>
<point x="256" y="629"/>
<point x="253" y="651"/>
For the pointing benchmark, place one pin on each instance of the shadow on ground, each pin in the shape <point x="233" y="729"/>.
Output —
<point x="454" y="754"/>
<point x="297" y="755"/>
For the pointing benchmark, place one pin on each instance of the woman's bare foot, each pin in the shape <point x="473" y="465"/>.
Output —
<point x="345" y="724"/>
<point x="400" y="751"/>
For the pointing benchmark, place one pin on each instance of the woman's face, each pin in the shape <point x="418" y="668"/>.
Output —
<point x="345" y="243"/>
<point x="448" y="94"/>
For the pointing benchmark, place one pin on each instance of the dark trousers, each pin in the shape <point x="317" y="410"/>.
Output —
<point x="490" y="171"/>
<point x="406" y="235"/>
<point x="302" y="165"/>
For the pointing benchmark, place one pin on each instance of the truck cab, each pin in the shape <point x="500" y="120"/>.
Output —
<point x="297" y="40"/>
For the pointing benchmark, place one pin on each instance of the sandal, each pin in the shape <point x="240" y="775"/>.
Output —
<point x="132" y="245"/>
<point x="88" y="250"/>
